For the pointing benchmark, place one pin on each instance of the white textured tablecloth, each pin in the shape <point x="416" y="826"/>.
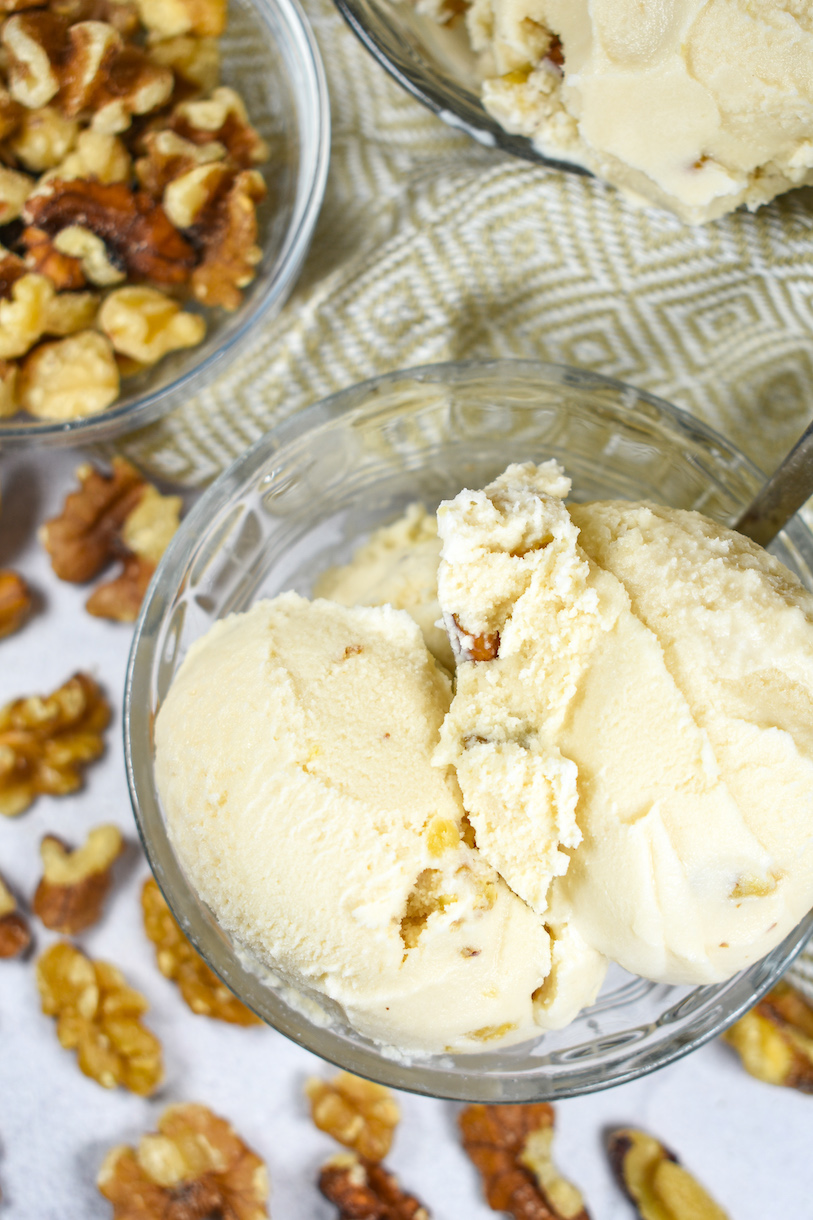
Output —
<point x="749" y="1142"/>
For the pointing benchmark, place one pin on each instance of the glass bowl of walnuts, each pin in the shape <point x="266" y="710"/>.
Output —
<point x="162" y="167"/>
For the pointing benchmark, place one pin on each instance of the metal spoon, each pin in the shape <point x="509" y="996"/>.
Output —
<point x="783" y="495"/>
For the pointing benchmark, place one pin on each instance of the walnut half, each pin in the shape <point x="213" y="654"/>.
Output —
<point x="15" y="934"/>
<point x="655" y="1182"/>
<point x="775" y="1039"/>
<point x="179" y="960"/>
<point x="363" y="1190"/>
<point x="45" y="742"/>
<point x="70" y="896"/>
<point x="99" y="1017"/>
<point x="358" y="1113"/>
<point x="511" y="1147"/>
<point x="195" y="1167"/>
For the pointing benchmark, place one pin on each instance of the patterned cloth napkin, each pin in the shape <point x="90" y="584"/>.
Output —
<point x="431" y="248"/>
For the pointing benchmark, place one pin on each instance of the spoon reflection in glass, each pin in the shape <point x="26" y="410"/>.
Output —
<point x="783" y="495"/>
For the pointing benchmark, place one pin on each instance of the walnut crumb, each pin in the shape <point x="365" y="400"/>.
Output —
<point x="15" y="934"/>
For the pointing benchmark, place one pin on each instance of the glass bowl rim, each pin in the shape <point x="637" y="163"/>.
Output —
<point x="311" y="82"/>
<point x="335" y="409"/>
<point x="450" y="104"/>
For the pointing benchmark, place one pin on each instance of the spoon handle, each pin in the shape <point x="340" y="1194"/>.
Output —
<point x="783" y="495"/>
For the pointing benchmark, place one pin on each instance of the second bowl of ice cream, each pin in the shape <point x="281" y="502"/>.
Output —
<point x="327" y="812"/>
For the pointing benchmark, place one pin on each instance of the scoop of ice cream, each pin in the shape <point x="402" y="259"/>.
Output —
<point x="396" y="566"/>
<point x="293" y="761"/>
<point x="695" y="105"/>
<point x="648" y="703"/>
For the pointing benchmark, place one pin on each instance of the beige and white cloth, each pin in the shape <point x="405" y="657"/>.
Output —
<point x="432" y="248"/>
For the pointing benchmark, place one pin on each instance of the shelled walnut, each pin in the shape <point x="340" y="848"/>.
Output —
<point x="15" y="601"/>
<point x="179" y="960"/>
<point x="511" y="1147"/>
<point x="112" y="517"/>
<point x="655" y="1182"/>
<point x="775" y="1039"/>
<point x="45" y="742"/>
<point x="99" y="1017"/>
<point x="15" y="934"/>
<point x="364" y="1190"/>
<point x="356" y="1112"/>
<point x="75" y="884"/>
<point x="195" y="1167"/>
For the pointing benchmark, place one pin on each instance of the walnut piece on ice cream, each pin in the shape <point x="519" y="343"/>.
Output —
<point x="511" y="1147"/>
<point x="775" y="1039"/>
<point x="358" y="1113"/>
<point x="99" y="1016"/>
<point x="180" y="961"/>
<point x="75" y="884"/>
<point x="45" y="742"/>
<point x="195" y="1167"/>
<point x="655" y="1181"/>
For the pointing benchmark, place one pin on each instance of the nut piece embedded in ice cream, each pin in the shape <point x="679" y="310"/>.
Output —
<point x="363" y="1190"/>
<point x="194" y="1167"/>
<point x="511" y="1147"/>
<point x="99" y="1017"/>
<point x="180" y="961"/>
<point x="358" y="1113"/>
<point x="45" y="742"/>
<point x="654" y="1180"/>
<point x="775" y="1039"/>
<point x="15" y="934"/>
<point x="75" y="884"/>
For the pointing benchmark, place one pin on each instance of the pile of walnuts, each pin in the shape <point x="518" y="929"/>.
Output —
<point x="128" y="184"/>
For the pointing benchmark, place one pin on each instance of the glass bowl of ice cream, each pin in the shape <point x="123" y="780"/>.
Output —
<point x="581" y="859"/>
<point x="695" y="107"/>
<point x="105" y="325"/>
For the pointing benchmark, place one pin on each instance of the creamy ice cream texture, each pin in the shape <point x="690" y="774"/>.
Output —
<point x="624" y="769"/>
<point x="695" y="105"/>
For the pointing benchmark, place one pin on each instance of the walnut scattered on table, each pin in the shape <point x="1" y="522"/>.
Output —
<point x="511" y="1147"/>
<point x="15" y="934"/>
<point x="124" y="165"/>
<point x="45" y="742"/>
<point x="75" y="884"/>
<point x="99" y="1016"/>
<point x="775" y="1039"/>
<point x="358" y="1113"/>
<point x="655" y="1182"/>
<point x="180" y="961"/>
<point x="116" y="517"/>
<point x="365" y="1190"/>
<point x="15" y="601"/>
<point x="195" y="1167"/>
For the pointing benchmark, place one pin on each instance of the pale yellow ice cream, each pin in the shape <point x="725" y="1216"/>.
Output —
<point x="695" y="105"/>
<point x="293" y="758"/>
<point x="397" y="566"/>
<point x="638" y="751"/>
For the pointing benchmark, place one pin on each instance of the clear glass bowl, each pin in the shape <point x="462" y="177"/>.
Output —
<point x="269" y="55"/>
<point x="436" y="65"/>
<point x="302" y="498"/>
